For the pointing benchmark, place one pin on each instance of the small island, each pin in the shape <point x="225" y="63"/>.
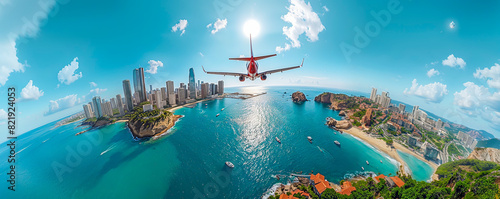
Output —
<point x="299" y="97"/>
<point x="150" y="123"/>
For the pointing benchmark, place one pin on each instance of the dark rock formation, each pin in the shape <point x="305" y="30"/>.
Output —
<point x="140" y="129"/>
<point x="298" y="97"/>
<point x="342" y="124"/>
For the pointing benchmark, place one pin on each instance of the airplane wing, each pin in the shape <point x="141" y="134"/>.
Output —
<point x="263" y="57"/>
<point x="281" y="69"/>
<point x="224" y="73"/>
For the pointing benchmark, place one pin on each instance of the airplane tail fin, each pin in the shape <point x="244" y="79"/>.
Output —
<point x="251" y="50"/>
<point x="263" y="57"/>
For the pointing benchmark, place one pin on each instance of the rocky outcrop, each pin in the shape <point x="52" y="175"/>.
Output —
<point x="342" y="113"/>
<point x="336" y="101"/>
<point x="486" y="154"/>
<point x="298" y="97"/>
<point x="140" y="129"/>
<point x="342" y="124"/>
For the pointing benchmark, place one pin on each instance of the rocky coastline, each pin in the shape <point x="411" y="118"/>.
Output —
<point x="141" y="129"/>
<point x="299" y="97"/>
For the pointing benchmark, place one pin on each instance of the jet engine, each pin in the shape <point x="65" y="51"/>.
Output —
<point x="263" y="77"/>
<point x="242" y="78"/>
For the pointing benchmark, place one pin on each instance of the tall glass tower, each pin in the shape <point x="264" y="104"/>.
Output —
<point x="139" y="85"/>
<point x="192" y="84"/>
<point x="128" y="95"/>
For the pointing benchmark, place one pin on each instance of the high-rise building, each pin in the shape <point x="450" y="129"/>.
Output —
<point x="373" y="95"/>
<point x="431" y="152"/>
<point x="204" y="90"/>
<point x="402" y="108"/>
<point x="439" y="124"/>
<point x="139" y="84"/>
<point x="171" y="93"/>
<point x="119" y="103"/>
<point x="87" y="109"/>
<point x="158" y="101"/>
<point x="97" y="104"/>
<point x="220" y="87"/>
<point x="192" y="86"/>
<point x="106" y="109"/>
<point x="163" y="93"/>
<point x="182" y="95"/>
<point x="150" y="88"/>
<point x="113" y="103"/>
<point x="414" y="112"/>
<point x="385" y="100"/>
<point x="212" y="89"/>
<point x="128" y="95"/>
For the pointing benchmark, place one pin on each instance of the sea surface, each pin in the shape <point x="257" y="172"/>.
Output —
<point x="190" y="162"/>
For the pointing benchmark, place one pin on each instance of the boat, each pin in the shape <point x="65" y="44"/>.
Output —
<point x="217" y="115"/>
<point x="310" y="139"/>
<point x="336" y="142"/>
<point x="229" y="164"/>
<point x="335" y="133"/>
<point x="278" y="140"/>
<point x="363" y="168"/>
<point x="380" y="161"/>
<point x="222" y="109"/>
<point x="368" y="163"/>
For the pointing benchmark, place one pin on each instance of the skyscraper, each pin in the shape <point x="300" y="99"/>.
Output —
<point x="113" y="103"/>
<point x="158" y="101"/>
<point x="192" y="86"/>
<point x="220" y="87"/>
<point x="119" y="103"/>
<point x="139" y="85"/>
<point x="128" y="95"/>
<point x="171" y="93"/>
<point x="373" y="95"/>
<point x="97" y="104"/>
<point x="204" y="90"/>
<point x="181" y="93"/>
<point x="414" y="112"/>
<point x="402" y="108"/>
<point x="88" y="111"/>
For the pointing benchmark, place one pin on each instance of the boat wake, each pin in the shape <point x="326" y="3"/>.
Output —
<point x="109" y="149"/>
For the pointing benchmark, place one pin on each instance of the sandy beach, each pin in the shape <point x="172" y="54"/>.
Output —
<point x="382" y="146"/>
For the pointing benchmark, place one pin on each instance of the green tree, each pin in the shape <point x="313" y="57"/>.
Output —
<point x="461" y="188"/>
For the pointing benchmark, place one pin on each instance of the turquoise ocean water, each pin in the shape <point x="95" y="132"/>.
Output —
<point x="189" y="163"/>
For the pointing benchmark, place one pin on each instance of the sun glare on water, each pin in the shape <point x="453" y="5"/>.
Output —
<point x="251" y="27"/>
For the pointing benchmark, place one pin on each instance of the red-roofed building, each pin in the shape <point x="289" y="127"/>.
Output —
<point x="397" y="181"/>
<point x="347" y="188"/>
<point x="377" y="179"/>
<point x="284" y="196"/>
<point x="320" y="184"/>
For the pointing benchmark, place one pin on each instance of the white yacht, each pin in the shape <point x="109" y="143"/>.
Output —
<point x="229" y="164"/>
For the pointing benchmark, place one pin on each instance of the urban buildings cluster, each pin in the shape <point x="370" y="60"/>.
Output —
<point x="159" y="98"/>
<point x="467" y="140"/>
<point x="409" y="121"/>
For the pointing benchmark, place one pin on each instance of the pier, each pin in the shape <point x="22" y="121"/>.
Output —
<point x="243" y="95"/>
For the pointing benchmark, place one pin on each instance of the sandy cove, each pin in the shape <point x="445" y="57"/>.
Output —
<point x="382" y="146"/>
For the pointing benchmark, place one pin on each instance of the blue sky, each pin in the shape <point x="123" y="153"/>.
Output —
<point x="64" y="52"/>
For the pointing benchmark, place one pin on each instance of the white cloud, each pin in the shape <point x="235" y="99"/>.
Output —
<point x="62" y="104"/>
<point x="453" y="61"/>
<point x="67" y="74"/>
<point x="20" y="19"/>
<point x="280" y="49"/>
<point x="31" y="92"/>
<point x="325" y="8"/>
<point x="491" y="74"/>
<point x="432" y="72"/>
<point x="153" y="66"/>
<point x="97" y="91"/>
<point x="3" y="115"/>
<point x="478" y="100"/>
<point x="181" y="26"/>
<point x="218" y="25"/>
<point x="93" y="84"/>
<point x="303" y="20"/>
<point x="433" y="92"/>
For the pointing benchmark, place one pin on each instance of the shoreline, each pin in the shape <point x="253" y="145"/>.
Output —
<point x="383" y="147"/>
<point x="188" y="104"/>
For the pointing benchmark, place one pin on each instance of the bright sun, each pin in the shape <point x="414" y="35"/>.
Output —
<point x="251" y="27"/>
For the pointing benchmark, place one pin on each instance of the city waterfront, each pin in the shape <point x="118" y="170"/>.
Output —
<point x="189" y="163"/>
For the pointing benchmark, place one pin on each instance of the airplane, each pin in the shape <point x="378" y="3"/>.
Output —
<point x="252" y="67"/>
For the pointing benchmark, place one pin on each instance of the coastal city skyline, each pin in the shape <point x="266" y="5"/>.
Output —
<point x="159" y="98"/>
